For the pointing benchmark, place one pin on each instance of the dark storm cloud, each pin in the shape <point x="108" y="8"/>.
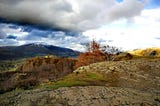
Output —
<point x="11" y="37"/>
<point x="41" y="12"/>
<point x="27" y="27"/>
<point x="13" y="26"/>
<point x="126" y="9"/>
<point x="28" y="32"/>
<point x="37" y="34"/>
<point x="75" y="15"/>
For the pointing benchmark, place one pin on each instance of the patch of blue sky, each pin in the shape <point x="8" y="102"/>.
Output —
<point x="153" y="4"/>
<point x="119" y="1"/>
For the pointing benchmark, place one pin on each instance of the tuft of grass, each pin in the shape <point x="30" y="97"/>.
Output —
<point x="93" y="76"/>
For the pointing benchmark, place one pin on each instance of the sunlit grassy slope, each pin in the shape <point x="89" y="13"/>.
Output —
<point x="154" y="52"/>
<point x="77" y="79"/>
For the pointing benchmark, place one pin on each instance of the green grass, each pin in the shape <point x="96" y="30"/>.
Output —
<point x="93" y="75"/>
<point x="81" y="79"/>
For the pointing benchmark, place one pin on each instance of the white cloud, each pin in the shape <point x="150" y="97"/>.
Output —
<point x="6" y="42"/>
<point x="13" y="31"/>
<point x="141" y="33"/>
<point x="74" y="42"/>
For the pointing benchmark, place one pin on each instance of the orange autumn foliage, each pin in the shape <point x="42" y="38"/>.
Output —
<point x="93" y="55"/>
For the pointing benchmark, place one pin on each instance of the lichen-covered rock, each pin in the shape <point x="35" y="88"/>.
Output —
<point x="82" y="96"/>
<point x="142" y="74"/>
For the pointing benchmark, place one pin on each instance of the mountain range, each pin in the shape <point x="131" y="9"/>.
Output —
<point x="33" y="49"/>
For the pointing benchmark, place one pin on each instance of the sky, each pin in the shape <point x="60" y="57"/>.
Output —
<point x="127" y="24"/>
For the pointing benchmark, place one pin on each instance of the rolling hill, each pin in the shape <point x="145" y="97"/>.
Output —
<point x="148" y="52"/>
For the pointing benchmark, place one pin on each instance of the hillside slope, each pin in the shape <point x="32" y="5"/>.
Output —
<point x="142" y="74"/>
<point x="151" y="52"/>
<point x="131" y="82"/>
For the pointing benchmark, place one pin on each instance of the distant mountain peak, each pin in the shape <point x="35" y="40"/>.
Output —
<point x="37" y="44"/>
<point x="35" y="49"/>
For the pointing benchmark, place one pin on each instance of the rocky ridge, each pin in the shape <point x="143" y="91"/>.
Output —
<point x="143" y="74"/>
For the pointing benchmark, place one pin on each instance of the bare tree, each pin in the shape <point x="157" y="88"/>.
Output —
<point x="110" y="52"/>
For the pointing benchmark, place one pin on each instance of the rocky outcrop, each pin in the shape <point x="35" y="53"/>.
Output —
<point x="82" y="96"/>
<point x="35" y="71"/>
<point x="141" y="74"/>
